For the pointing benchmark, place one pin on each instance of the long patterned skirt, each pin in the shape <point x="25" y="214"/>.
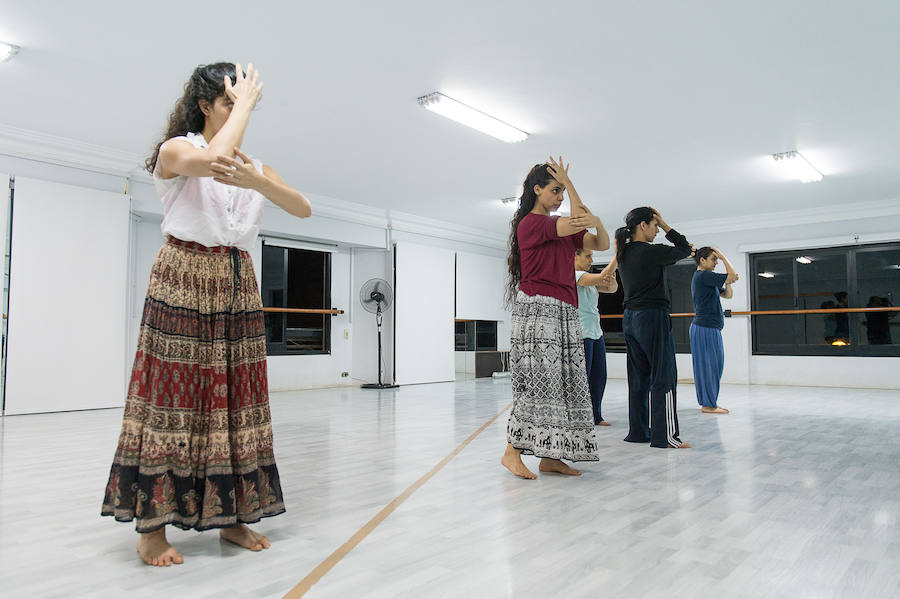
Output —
<point x="551" y="415"/>
<point x="195" y="448"/>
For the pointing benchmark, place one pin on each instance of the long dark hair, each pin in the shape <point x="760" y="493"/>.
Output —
<point x="641" y="214"/>
<point x="206" y="83"/>
<point x="540" y="176"/>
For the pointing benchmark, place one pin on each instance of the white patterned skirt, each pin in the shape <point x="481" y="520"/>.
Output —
<point x="551" y="415"/>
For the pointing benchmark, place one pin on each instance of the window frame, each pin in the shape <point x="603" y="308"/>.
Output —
<point x="855" y="349"/>
<point x="280" y="348"/>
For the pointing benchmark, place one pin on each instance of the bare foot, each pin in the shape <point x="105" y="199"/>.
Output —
<point x="550" y="465"/>
<point x="707" y="410"/>
<point x="680" y="446"/>
<point x="512" y="461"/>
<point x="155" y="550"/>
<point x="603" y="423"/>
<point x="244" y="537"/>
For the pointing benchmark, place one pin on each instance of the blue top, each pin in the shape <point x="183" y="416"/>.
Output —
<point x="587" y="309"/>
<point x="706" y="287"/>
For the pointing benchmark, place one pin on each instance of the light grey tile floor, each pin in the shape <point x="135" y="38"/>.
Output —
<point x="795" y="494"/>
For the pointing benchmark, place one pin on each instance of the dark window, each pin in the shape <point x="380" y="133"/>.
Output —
<point x="293" y="278"/>
<point x="833" y="278"/>
<point x="877" y="280"/>
<point x="678" y="281"/>
<point x="464" y="339"/>
<point x="485" y="335"/>
<point x="476" y="335"/>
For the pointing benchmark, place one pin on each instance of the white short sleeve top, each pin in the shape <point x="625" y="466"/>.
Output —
<point x="207" y="212"/>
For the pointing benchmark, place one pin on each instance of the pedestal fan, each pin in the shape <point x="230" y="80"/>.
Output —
<point x="376" y="297"/>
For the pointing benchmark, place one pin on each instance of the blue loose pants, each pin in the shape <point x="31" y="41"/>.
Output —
<point x="708" y="356"/>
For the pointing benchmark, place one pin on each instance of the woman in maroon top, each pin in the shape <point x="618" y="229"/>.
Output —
<point x="551" y="416"/>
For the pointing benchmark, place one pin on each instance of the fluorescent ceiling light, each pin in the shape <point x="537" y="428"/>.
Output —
<point x="767" y="275"/>
<point x="7" y="51"/>
<point x="797" y="166"/>
<point x="511" y="201"/>
<point x="804" y="260"/>
<point x="450" y="108"/>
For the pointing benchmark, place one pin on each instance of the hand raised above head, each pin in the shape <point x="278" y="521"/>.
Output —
<point x="558" y="171"/>
<point x="246" y="87"/>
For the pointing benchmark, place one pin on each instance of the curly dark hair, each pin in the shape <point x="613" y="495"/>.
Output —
<point x="207" y="82"/>
<point x="538" y="175"/>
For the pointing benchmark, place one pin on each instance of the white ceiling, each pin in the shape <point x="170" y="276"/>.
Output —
<point x="673" y="104"/>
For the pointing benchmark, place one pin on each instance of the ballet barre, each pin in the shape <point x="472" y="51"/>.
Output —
<point x="778" y="312"/>
<point x="303" y="310"/>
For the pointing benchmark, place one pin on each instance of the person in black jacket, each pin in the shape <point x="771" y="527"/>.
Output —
<point x="647" y="326"/>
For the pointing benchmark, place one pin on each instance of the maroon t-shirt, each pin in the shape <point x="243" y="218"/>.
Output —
<point x="547" y="259"/>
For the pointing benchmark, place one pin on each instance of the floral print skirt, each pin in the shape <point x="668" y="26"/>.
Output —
<point x="195" y="449"/>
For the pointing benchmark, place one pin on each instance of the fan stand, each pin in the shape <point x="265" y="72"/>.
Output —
<point x="379" y="384"/>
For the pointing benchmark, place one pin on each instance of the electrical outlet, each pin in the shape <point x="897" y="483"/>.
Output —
<point x="346" y="333"/>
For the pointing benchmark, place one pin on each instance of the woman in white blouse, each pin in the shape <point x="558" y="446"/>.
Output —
<point x="195" y="449"/>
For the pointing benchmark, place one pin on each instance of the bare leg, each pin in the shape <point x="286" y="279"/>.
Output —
<point x="244" y="537"/>
<point x="512" y="461"/>
<point x="155" y="550"/>
<point x="707" y="410"/>
<point x="551" y="465"/>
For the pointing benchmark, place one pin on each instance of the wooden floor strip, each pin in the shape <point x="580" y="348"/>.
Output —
<point x="332" y="560"/>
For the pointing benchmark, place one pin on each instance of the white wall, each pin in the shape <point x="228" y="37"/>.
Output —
<point x="4" y="216"/>
<point x="68" y="296"/>
<point x="423" y="303"/>
<point x="480" y="287"/>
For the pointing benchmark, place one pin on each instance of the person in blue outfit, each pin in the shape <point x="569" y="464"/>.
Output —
<point x="590" y="286"/>
<point x="707" y="351"/>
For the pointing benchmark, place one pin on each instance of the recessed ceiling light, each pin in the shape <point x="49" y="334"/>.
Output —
<point x="804" y="260"/>
<point x="797" y="166"/>
<point x="767" y="275"/>
<point x="452" y="109"/>
<point x="7" y="51"/>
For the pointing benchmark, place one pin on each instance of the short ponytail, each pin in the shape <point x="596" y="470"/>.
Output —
<point x="623" y="236"/>
<point x="641" y="214"/>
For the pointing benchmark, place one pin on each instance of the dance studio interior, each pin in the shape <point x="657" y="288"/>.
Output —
<point x="393" y="313"/>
